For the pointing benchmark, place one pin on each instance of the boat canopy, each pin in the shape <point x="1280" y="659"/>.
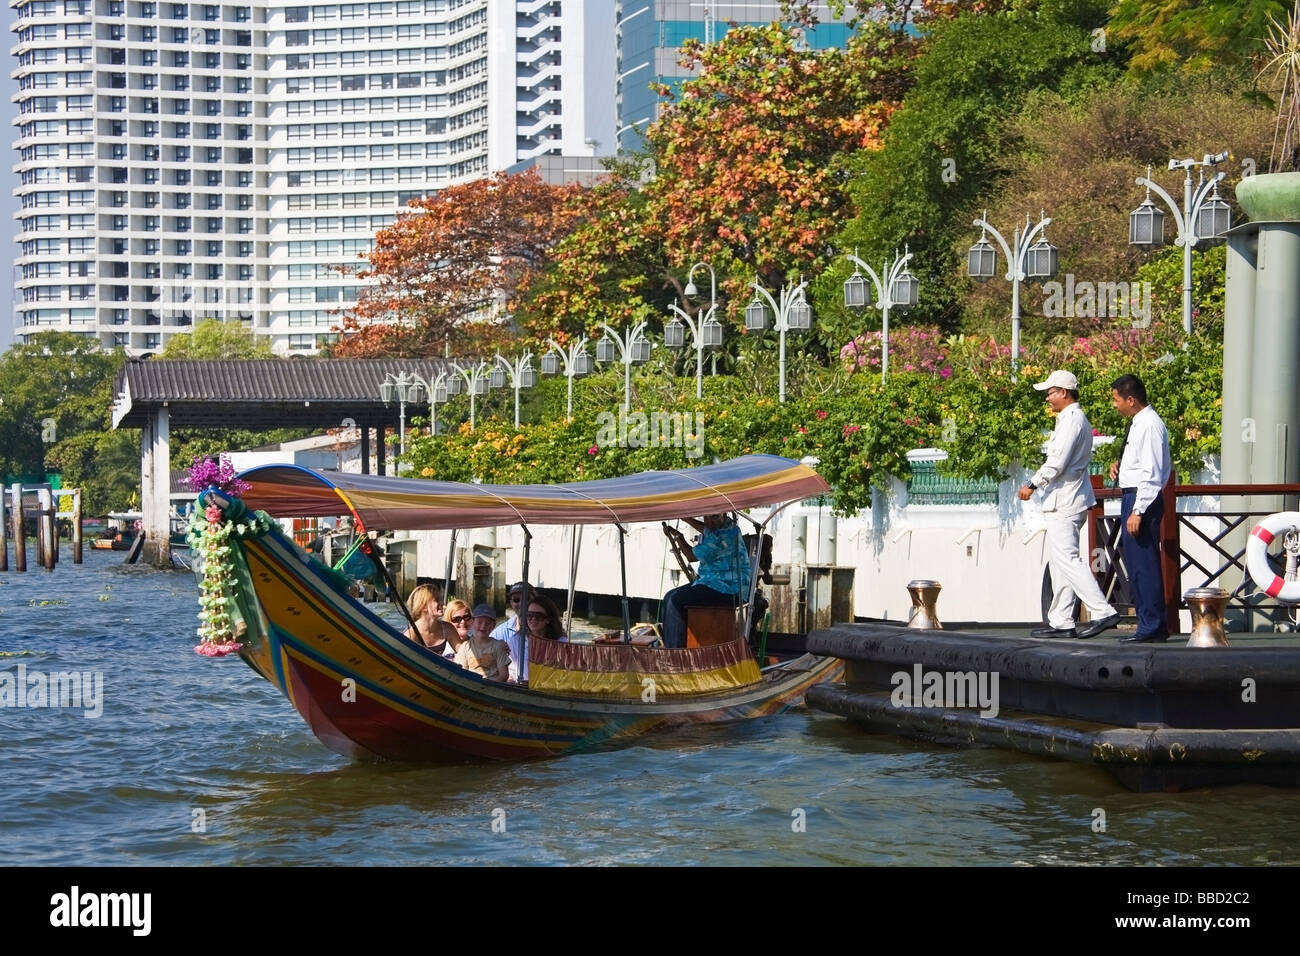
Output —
<point x="378" y="502"/>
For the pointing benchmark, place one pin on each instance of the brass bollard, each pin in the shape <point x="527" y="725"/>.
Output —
<point x="924" y="595"/>
<point x="1206" y="605"/>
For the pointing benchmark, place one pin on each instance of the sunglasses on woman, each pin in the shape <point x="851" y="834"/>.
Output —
<point x="537" y="615"/>
<point x="462" y="618"/>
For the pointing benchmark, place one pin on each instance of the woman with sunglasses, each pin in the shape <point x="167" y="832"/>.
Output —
<point x="544" y="619"/>
<point x="461" y="620"/>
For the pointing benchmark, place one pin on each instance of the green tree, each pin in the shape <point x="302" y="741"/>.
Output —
<point x="948" y="146"/>
<point x="55" y="387"/>
<point x="214" y="339"/>
<point x="1192" y="35"/>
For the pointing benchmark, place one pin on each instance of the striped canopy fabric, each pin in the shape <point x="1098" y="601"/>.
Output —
<point x="381" y="503"/>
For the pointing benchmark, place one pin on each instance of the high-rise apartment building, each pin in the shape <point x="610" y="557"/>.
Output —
<point x="183" y="161"/>
<point x="651" y="33"/>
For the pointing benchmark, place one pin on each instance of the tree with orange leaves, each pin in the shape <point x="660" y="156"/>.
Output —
<point x="748" y="153"/>
<point x="448" y="269"/>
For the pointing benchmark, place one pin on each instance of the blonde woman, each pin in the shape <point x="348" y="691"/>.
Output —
<point x="461" y="619"/>
<point x="425" y="605"/>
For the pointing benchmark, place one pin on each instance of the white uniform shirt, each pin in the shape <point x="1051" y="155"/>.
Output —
<point x="1063" y="479"/>
<point x="1146" y="464"/>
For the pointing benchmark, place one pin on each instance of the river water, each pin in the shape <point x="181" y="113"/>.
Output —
<point x="200" y="762"/>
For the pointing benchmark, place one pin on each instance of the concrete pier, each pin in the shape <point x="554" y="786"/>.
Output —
<point x="1157" y="716"/>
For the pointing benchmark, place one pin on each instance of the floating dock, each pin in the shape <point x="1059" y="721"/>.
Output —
<point x="1157" y="716"/>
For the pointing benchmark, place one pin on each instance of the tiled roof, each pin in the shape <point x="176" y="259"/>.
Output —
<point x="268" y="393"/>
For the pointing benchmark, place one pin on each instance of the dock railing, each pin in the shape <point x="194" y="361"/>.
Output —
<point x="1226" y="542"/>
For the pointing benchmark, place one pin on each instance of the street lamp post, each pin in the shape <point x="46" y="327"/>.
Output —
<point x="405" y="387"/>
<point x="792" y="314"/>
<point x="576" y="362"/>
<point x="522" y="375"/>
<point x="707" y="333"/>
<point x="1030" y="256"/>
<point x="1204" y="218"/>
<point x="476" y="379"/>
<point x="898" y="288"/>
<point x="633" y="349"/>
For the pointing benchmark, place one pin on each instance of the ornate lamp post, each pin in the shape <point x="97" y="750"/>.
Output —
<point x="898" y="288"/>
<point x="522" y="375"/>
<point x="576" y="362"/>
<point x="1204" y="218"/>
<point x="476" y="379"/>
<point x="706" y="330"/>
<point x="405" y="387"/>
<point x="793" y="314"/>
<point x="1030" y="256"/>
<point x="633" y="349"/>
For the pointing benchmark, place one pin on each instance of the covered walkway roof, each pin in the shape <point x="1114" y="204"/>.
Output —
<point x="263" y="394"/>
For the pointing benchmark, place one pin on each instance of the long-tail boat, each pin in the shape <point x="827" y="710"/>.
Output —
<point x="368" y="692"/>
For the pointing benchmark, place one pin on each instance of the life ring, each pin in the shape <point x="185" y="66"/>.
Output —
<point x="1261" y="572"/>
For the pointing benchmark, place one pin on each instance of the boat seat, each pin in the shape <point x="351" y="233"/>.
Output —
<point x="710" y="626"/>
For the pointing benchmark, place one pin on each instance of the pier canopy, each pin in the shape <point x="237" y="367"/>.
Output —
<point x="382" y="503"/>
<point x="262" y="394"/>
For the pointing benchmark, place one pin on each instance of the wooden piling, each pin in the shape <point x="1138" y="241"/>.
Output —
<point x="76" y="526"/>
<point x="19" y="532"/>
<point x="47" y="529"/>
<point x="4" y="533"/>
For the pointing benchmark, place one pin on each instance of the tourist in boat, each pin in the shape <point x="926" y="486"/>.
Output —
<point x="723" y="573"/>
<point x="508" y="631"/>
<point x="425" y="605"/>
<point x="461" y="619"/>
<point x="482" y="653"/>
<point x="543" y="619"/>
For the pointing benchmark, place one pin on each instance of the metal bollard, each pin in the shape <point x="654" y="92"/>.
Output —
<point x="924" y="596"/>
<point x="1206" y="605"/>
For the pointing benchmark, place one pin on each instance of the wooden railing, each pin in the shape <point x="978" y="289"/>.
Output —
<point x="1103" y="534"/>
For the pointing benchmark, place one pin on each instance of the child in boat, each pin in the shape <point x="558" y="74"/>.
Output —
<point x="482" y="653"/>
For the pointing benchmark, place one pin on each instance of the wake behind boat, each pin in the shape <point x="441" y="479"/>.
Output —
<point x="367" y="691"/>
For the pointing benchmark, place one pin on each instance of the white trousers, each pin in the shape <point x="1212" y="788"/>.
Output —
<point x="1071" y="576"/>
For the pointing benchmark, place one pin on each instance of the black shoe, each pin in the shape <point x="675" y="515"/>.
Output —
<point x="1157" y="638"/>
<point x="1093" y="628"/>
<point x="1053" y="632"/>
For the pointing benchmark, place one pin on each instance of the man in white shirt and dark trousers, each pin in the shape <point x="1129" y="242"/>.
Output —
<point x="1067" y="496"/>
<point x="1143" y="470"/>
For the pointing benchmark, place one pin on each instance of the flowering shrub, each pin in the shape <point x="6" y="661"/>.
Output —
<point x="861" y="429"/>
<point x="911" y="349"/>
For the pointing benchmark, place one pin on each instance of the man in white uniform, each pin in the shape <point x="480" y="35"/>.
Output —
<point x="1067" y="496"/>
<point x="1142" y="471"/>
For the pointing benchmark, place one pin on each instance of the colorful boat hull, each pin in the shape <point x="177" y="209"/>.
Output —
<point x="367" y="692"/>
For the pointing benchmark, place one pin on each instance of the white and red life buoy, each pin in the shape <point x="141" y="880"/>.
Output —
<point x="1261" y="572"/>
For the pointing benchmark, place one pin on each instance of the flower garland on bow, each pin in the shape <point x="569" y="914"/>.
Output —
<point x="209" y="538"/>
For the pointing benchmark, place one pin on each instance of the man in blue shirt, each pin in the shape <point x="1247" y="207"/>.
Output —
<point x="723" y="574"/>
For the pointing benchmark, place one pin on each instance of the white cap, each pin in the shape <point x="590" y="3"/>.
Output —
<point x="1059" y="379"/>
